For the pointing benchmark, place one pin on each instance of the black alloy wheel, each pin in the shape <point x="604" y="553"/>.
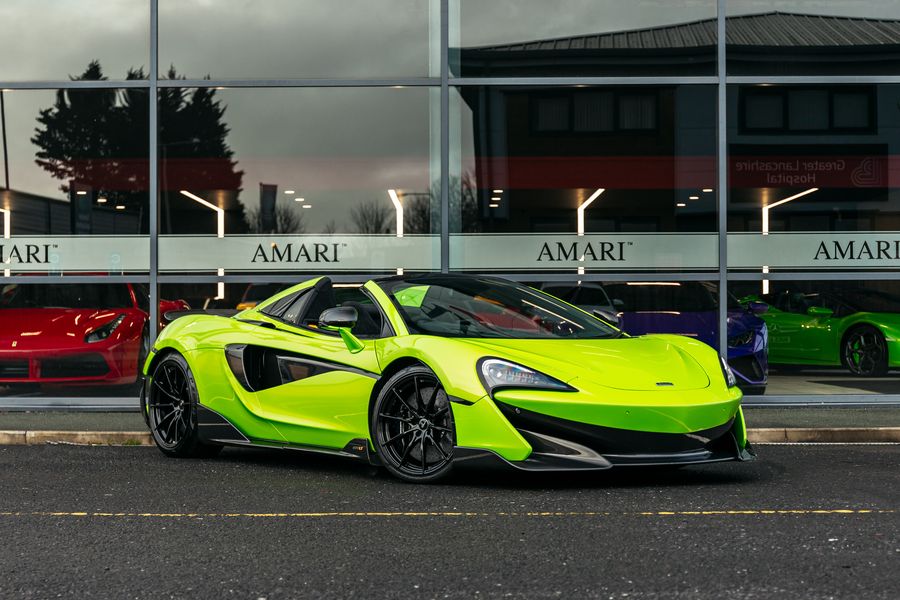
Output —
<point x="412" y="426"/>
<point x="864" y="352"/>
<point x="172" y="409"/>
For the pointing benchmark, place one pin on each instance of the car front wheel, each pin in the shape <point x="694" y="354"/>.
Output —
<point x="412" y="426"/>
<point x="172" y="401"/>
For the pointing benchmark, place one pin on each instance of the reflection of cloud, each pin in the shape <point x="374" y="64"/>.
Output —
<point x="52" y="39"/>
<point x="296" y="39"/>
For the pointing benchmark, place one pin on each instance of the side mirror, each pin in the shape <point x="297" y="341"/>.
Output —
<point x="341" y="316"/>
<point x="757" y="308"/>
<point x="819" y="311"/>
<point x="342" y="319"/>
<point x="607" y="316"/>
<point x="618" y="303"/>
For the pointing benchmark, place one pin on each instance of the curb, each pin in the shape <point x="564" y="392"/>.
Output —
<point x="89" y="438"/>
<point x="770" y="435"/>
<point x="833" y="435"/>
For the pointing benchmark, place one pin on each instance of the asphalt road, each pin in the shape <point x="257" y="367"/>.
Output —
<point x="130" y="523"/>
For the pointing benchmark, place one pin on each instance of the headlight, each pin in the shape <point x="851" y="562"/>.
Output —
<point x="497" y="374"/>
<point x="104" y="331"/>
<point x="727" y="373"/>
<point x="741" y="339"/>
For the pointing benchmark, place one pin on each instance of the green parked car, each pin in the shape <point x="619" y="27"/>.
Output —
<point x="856" y="329"/>
<point x="421" y="372"/>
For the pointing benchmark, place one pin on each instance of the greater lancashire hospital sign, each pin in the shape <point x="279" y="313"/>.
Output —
<point x="594" y="253"/>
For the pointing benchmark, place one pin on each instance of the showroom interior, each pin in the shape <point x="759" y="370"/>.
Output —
<point x="722" y="169"/>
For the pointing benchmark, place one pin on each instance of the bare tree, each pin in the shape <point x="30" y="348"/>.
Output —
<point x="371" y="217"/>
<point x="418" y="216"/>
<point x="330" y="228"/>
<point x="287" y="220"/>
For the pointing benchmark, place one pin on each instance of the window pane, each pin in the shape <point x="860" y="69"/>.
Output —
<point x="298" y="179"/>
<point x="817" y="193"/>
<point x="72" y="339"/>
<point x="594" y="191"/>
<point x="812" y="37"/>
<point x="763" y="111"/>
<point x="828" y="337"/>
<point x="851" y="111"/>
<point x="580" y="37"/>
<point x="56" y="39"/>
<point x="78" y="181"/>
<point x="289" y="39"/>
<point x="808" y="109"/>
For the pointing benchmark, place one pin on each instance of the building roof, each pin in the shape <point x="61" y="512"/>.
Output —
<point x="778" y="29"/>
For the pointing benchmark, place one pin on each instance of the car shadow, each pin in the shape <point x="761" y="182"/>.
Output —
<point x="466" y="476"/>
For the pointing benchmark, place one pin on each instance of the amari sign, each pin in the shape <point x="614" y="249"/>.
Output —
<point x="318" y="253"/>
<point x="867" y="250"/>
<point x="61" y="254"/>
<point x="595" y="252"/>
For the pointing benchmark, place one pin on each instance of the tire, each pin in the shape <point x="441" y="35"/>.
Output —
<point x="864" y="352"/>
<point x="412" y="426"/>
<point x="172" y="409"/>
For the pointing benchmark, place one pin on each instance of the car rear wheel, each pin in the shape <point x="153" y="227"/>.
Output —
<point x="412" y="426"/>
<point x="172" y="409"/>
<point x="864" y="351"/>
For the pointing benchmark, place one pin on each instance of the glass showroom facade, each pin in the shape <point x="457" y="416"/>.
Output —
<point x="723" y="169"/>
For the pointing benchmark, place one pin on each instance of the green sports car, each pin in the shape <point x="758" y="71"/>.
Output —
<point x="421" y="372"/>
<point x="856" y="329"/>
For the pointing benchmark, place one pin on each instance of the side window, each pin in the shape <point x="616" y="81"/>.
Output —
<point x="278" y="308"/>
<point x="294" y="311"/>
<point x="369" y="320"/>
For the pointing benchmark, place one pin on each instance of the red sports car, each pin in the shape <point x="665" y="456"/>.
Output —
<point x="73" y="334"/>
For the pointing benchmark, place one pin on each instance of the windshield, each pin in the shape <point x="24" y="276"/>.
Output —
<point x="95" y="295"/>
<point x="484" y="307"/>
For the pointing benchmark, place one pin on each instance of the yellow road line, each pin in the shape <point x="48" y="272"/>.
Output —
<point x="312" y="515"/>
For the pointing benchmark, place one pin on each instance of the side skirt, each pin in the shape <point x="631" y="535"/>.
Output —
<point x="216" y="429"/>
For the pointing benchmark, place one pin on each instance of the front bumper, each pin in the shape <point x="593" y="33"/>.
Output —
<point x="601" y="428"/>
<point x="563" y="445"/>
<point x="115" y="364"/>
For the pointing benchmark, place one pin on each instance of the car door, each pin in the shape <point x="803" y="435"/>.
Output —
<point x="796" y="337"/>
<point x="323" y="400"/>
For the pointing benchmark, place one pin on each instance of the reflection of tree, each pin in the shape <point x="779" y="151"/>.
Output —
<point x="330" y="228"/>
<point x="421" y="214"/>
<point x="287" y="220"/>
<point x="88" y="136"/>
<point x="100" y="138"/>
<point x="372" y="216"/>
<point x="194" y="150"/>
<point x="464" y="214"/>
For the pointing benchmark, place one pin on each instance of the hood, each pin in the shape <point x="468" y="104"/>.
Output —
<point x="51" y="328"/>
<point x="638" y="363"/>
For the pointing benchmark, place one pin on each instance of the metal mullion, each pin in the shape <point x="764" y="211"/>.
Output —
<point x="820" y="276"/>
<point x="274" y="83"/>
<point x="445" y="136"/>
<point x="68" y="84"/>
<point x="565" y="81"/>
<point x="154" y="170"/>
<point x="630" y="276"/>
<point x="349" y="277"/>
<point x="44" y="279"/>
<point x="812" y="79"/>
<point x="722" y="177"/>
<point x="822" y="400"/>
